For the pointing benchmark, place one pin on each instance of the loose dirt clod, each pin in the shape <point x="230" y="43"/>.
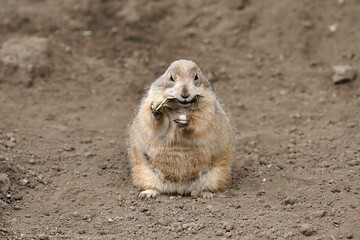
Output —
<point x="228" y="226"/>
<point x="43" y="237"/>
<point x="24" y="181"/>
<point x="353" y="163"/>
<point x="307" y="229"/>
<point x="24" y="59"/>
<point x="289" y="201"/>
<point x="349" y="235"/>
<point x="17" y="197"/>
<point x="163" y="222"/>
<point x="319" y="213"/>
<point x="343" y="74"/>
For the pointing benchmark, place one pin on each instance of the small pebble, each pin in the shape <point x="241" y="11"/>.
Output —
<point x="89" y="154"/>
<point x="87" y="218"/>
<point x="9" y="135"/>
<point x="103" y="166"/>
<point x="68" y="147"/>
<point x="75" y="214"/>
<point x="163" y="222"/>
<point x="343" y="74"/>
<point x="144" y="209"/>
<point x="353" y="163"/>
<point x="325" y="164"/>
<point x="228" y="226"/>
<point x="16" y="207"/>
<point x="228" y="234"/>
<point x="120" y="198"/>
<point x="307" y="229"/>
<point x="185" y="226"/>
<point x="43" y="237"/>
<point x="335" y="190"/>
<point x="307" y="24"/>
<point x="349" y="236"/>
<point x="176" y="227"/>
<point x="280" y="166"/>
<point x="67" y="49"/>
<point x="333" y="27"/>
<point x="288" y="235"/>
<point x="81" y="231"/>
<point x="114" y="30"/>
<point x="9" y="144"/>
<point x="17" y="197"/>
<point x="319" y="213"/>
<point x="23" y="181"/>
<point x="219" y="233"/>
<point x="87" y="33"/>
<point x="289" y="201"/>
<point x="86" y="140"/>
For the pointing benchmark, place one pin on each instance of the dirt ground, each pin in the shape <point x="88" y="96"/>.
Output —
<point x="71" y="77"/>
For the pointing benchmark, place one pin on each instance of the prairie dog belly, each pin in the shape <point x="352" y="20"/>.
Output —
<point x="179" y="163"/>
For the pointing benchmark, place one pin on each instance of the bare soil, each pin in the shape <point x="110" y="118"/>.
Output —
<point x="73" y="72"/>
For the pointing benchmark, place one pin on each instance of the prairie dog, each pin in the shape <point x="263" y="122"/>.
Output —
<point x="182" y="145"/>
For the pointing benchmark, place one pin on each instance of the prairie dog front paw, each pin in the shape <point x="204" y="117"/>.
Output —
<point x="157" y="106"/>
<point x="182" y="120"/>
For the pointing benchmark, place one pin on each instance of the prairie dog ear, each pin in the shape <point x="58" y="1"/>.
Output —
<point x="206" y="81"/>
<point x="161" y="82"/>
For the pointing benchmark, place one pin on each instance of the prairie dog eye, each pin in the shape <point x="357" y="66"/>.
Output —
<point x="196" y="77"/>
<point x="171" y="78"/>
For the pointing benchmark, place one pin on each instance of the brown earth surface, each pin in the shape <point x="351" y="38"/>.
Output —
<point x="71" y="77"/>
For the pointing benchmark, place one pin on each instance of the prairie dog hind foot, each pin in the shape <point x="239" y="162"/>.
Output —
<point x="149" y="193"/>
<point x="203" y="194"/>
<point x="152" y="193"/>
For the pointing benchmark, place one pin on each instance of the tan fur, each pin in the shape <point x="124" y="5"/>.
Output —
<point x="170" y="158"/>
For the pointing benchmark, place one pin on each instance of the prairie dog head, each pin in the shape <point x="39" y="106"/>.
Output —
<point x="184" y="81"/>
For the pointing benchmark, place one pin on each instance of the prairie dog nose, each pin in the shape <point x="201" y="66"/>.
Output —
<point x="185" y="96"/>
<point x="185" y="93"/>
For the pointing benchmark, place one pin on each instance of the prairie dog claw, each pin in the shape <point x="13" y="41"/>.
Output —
<point x="150" y="193"/>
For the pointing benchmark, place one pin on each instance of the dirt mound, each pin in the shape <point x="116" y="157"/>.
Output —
<point x="24" y="59"/>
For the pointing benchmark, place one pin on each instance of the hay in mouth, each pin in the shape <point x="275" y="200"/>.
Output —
<point x="195" y="100"/>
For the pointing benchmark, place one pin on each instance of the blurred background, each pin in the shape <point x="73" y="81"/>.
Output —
<point x="72" y="74"/>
